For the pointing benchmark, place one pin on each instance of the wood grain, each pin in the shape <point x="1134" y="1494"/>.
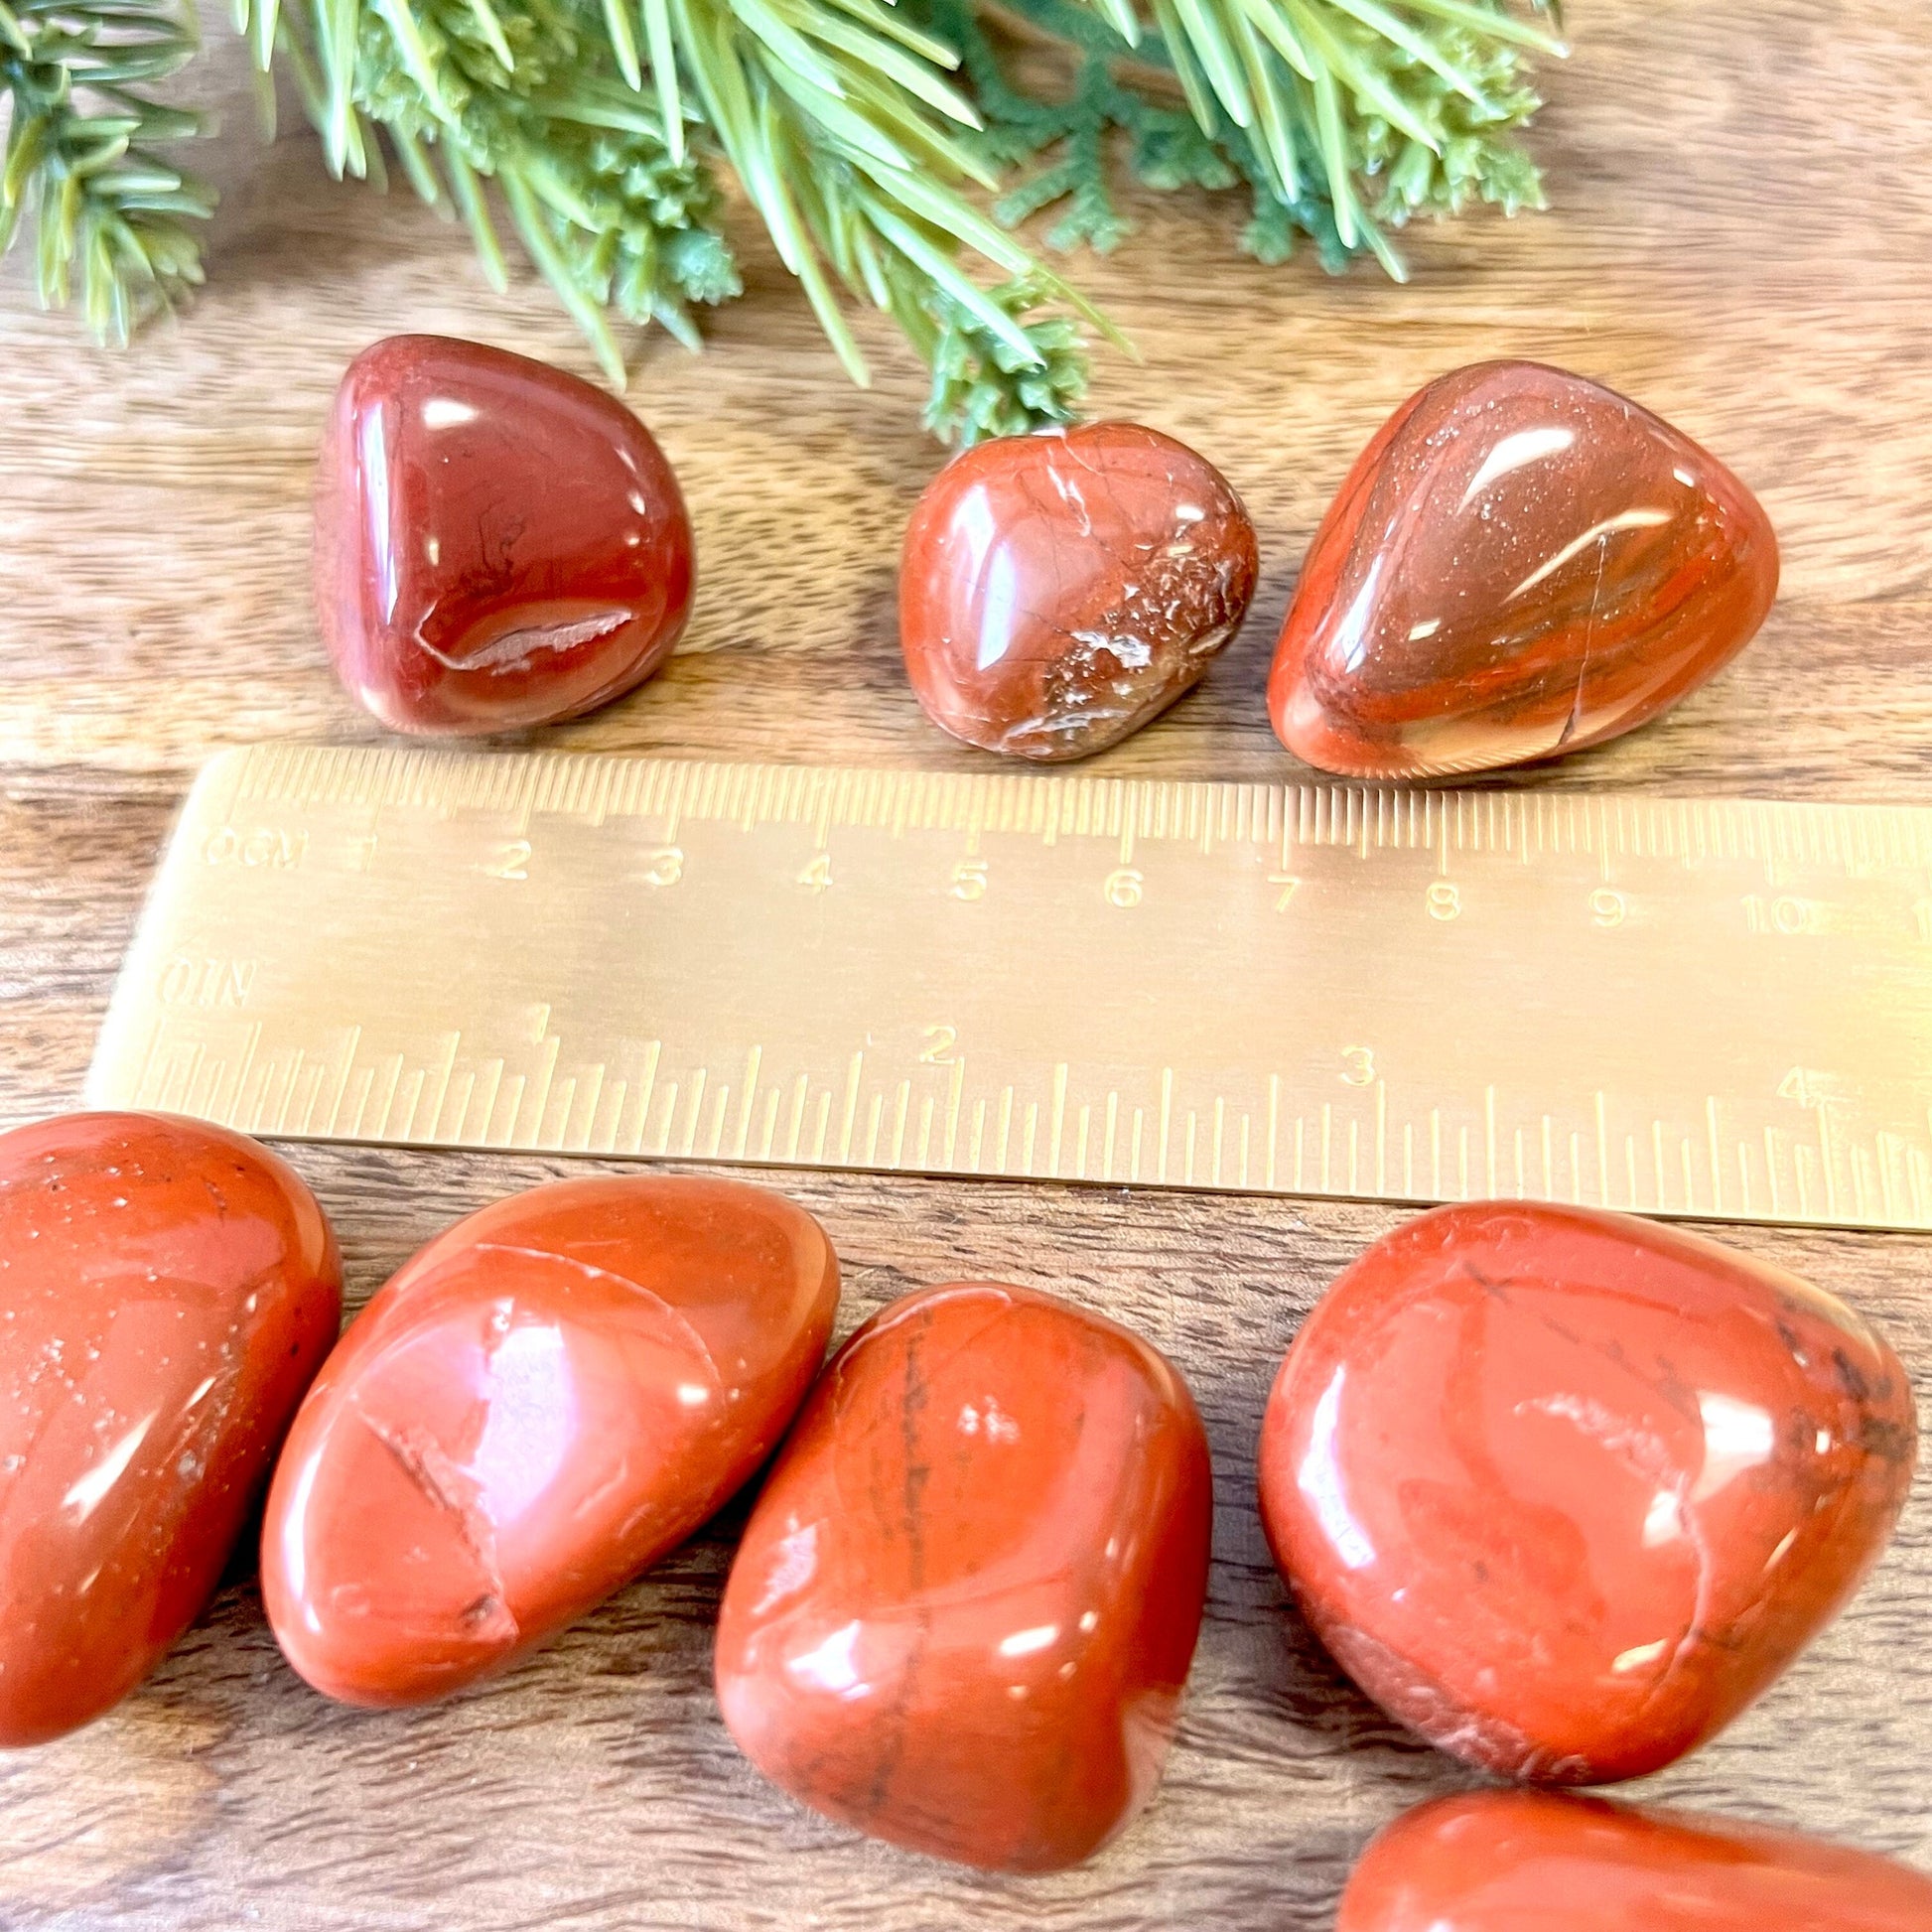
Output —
<point x="1743" y="238"/>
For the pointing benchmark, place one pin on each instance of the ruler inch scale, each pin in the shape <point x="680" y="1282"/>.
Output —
<point x="1710" y="1007"/>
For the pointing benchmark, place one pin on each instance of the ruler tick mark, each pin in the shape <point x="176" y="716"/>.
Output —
<point x="697" y="1102"/>
<point x="752" y="1060"/>
<point x="855" y="1070"/>
<point x="901" y="1104"/>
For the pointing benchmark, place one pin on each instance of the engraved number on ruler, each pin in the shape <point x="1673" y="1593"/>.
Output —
<point x="263" y="845"/>
<point x="665" y="867"/>
<point x="510" y="860"/>
<point x="1786" y="914"/>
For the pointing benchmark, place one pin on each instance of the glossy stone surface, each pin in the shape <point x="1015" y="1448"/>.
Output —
<point x="1520" y="564"/>
<point x="965" y="1606"/>
<point x="541" y="1402"/>
<point x="1058" y="591"/>
<point x="166" y="1292"/>
<point x="1565" y="1490"/>
<point x="497" y="544"/>
<point x="1531" y="1861"/>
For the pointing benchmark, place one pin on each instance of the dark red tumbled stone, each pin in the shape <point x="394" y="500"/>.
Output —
<point x="167" y="1291"/>
<point x="541" y="1402"/>
<point x="497" y="543"/>
<point x="1521" y="563"/>
<point x="1567" y="1490"/>
<point x="1535" y="1862"/>
<point x="965" y="1604"/>
<point x="1058" y="591"/>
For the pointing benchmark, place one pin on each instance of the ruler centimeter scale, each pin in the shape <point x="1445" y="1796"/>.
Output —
<point x="1715" y="1008"/>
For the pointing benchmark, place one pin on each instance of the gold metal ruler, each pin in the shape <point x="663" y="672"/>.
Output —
<point x="1716" y="1006"/>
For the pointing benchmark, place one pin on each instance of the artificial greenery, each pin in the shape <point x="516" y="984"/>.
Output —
<point x="890" y="149"/>
<point x="81" y="155"/>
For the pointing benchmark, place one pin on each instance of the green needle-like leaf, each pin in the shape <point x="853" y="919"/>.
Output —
<point x="623" y="42"/>
<point x="467" y="192"/>
<point x="529" y="215"/>
<point x="1271" y="119"/>
<point x="663" y="71"/>
<point x="1206" y="30"/>
<point x="1496" y="23"/>
<point x="490" y="25"/>
<point x="1193" y="84"/>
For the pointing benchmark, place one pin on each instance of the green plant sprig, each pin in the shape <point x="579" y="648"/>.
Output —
<point x="1461" y="97"/>
<point x="80" y="156"/>
<point x="888" y="148"/>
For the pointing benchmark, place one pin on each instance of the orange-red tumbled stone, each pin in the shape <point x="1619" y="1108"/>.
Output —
<point x="543" y="1400"/>
<point x="1522" y="563"/>
<point x="1533" y="1861"/>
<point x="167" y="1289"/>
<point x="966" y="1603"/>
<point x="1059" y="590"/>
<point x="1565" y="1490"/>
<point x="497" y="544"/>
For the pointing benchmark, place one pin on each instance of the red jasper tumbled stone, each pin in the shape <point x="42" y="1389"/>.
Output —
<point x="1565" y="1490"/>
<point x="1059" y="590"/>
<point x="497" y="544"/>
<point x="1532" y="1860"/>
<point x="166" y="1289"/>
<point x="546" y="1399"/>
<point x="1522" y="563"/>
<point x="965" y="1606"/>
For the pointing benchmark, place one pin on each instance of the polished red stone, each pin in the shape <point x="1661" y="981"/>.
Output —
<point x="1058" y="591"/>
<point x="1520" y="564"/>
<point x="497" y="544"/>
<point x="166" y="1292"/>
<point x="1565" y="1490"/>
<point x="965" y="1606"/>
<point x="1535" y="1862"/>
<point x="545" y="1400"/>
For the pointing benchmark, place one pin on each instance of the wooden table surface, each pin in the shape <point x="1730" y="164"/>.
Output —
<point x="1742" y="239"/>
